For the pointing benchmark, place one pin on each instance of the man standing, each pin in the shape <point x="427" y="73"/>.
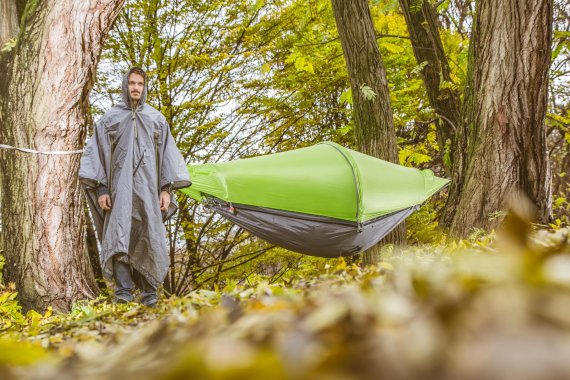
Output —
<point x="129" y="168"/>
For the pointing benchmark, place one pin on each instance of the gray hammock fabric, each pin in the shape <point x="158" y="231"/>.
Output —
<point x="324" y="200"/>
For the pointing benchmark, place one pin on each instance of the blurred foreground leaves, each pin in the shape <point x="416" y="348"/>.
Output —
<point x="475" y="309"/>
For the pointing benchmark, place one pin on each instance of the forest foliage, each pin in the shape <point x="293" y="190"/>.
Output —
<point x="430" y="311"/>
<point x="243" y="78"/>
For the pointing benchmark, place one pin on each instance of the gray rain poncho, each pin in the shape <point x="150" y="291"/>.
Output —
<point x="134" y="155"/>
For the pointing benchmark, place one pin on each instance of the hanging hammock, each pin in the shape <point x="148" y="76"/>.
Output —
<point x="324" y="200"/>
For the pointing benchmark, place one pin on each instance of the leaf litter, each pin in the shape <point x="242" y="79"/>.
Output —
<point x="458" y="311"/>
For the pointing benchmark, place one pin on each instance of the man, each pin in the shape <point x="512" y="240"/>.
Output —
<point x="129" y="168"/>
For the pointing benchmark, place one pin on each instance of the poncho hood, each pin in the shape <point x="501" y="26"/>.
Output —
<point x="125" y="96"/>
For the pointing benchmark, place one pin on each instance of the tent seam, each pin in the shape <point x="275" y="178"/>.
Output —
<point x="355" y="175"/>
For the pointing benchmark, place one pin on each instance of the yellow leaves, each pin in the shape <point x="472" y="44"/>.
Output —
<point x="341" y="264"/>
<point x="265" y="68"/>
<point x="34" y="320"/>
<point x="559" y="202"/>
<point x="411" y="311"/>
<point x="9" y="45"/>
<point x="327" y="315"/>
<point x="198" y="60"/>
<point x="411" y="157"/>
<point x="300" y="62"/>
<point x="10" y="310"/>
<point x="258" y="5"/>
<point x="556" y="269"/>
<point x="432" y="139"/>
<point x="2" y="264"/>
<point x="385" y="265"/>
<point x="19" y="353"/>
<point x="346" y="96"/>
<point x="556" y="225"/>
<point x="204" y="297"/>
<point x="392" y="48"/>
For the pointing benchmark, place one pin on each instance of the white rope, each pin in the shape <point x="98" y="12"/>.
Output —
<point x="54" y="152"/>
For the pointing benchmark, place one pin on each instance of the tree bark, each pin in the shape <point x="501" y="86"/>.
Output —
<point x="422" y="23"/>
<point x="374" y="123"/>
<point x="44" y="85"/>
<point x="502" y="132"/>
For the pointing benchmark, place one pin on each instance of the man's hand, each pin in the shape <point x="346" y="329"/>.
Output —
<point x="164" y="200"/>
<point x="104" y="201"/>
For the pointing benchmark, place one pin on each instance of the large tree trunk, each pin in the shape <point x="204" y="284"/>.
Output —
<point x="502" y="123"/>
<point x="44" y="85"/>
<point x="423" y="27"/>
<point x="374" y="124"/>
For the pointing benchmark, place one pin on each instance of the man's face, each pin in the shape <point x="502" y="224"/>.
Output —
<point x="136" y="86"/>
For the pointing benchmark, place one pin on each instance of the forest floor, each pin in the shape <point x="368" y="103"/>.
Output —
<point x="496" y="309"/>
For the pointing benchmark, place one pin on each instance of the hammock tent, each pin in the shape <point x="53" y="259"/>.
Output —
<point x="324" y="200"/>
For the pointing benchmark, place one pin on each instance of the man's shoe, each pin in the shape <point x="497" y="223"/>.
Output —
<point x="150" y="304"/>
<point x="121" y="301"/>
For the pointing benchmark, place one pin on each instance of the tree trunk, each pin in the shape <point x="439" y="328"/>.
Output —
<point x="502" y="128"/>
<point x="44" y="85"/>
<point x="374" y="124"/>
<point x="422" y="23"/>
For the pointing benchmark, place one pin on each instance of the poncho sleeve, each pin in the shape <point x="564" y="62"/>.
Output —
<point x="173" y="172"/>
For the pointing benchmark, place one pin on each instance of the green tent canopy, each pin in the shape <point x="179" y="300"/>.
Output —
<point x="324" y="200"/>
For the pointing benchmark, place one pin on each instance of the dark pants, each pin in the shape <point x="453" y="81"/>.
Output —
<point x="124" y="284"/>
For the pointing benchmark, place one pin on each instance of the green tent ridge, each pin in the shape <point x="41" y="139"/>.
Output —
<point x="338" y="183"/>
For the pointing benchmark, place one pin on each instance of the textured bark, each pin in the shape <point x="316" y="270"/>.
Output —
<point x="44" y="85"/>
<point x="502" y="123"/>
<point x="374" y="123"/>
<point x="423" y="27"/>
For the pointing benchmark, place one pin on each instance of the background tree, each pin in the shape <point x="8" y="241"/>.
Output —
<point x="372" y="111"/>
<point x="46" y="71"/>
<point x="502" y="136"/>
<point x="558" y="117"/>
<point x="500" y="143"/>
<point x="422" y="21"/>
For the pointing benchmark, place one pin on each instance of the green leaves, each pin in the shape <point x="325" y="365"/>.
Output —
<point x="258" y="5"/>
<point x="316" y="321"/>
<point x="9" y="45"/>
<point x="301" y="62"/>
<point x="561" y="43"/>
<point x="367" y="92"/>
<point x="17" y="353"/>
<point x="412" y="158"/>
<point x="10" y="310"/>
<point x="2" y="264"/>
